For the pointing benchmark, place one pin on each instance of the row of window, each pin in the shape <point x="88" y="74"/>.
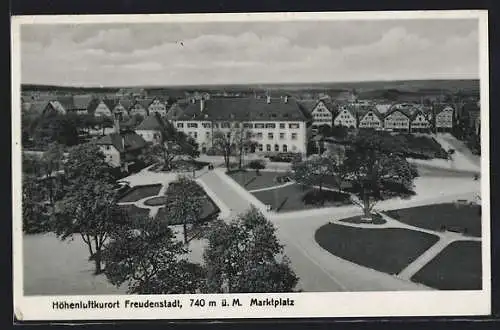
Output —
<point x="269" y="147"/>
<point x="237" y="125"/>
<point x="258" y="136"/>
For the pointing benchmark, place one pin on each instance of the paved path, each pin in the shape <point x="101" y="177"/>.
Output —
<point x="317" y="269"/>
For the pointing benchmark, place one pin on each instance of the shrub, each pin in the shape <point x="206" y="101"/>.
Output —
<point x="257" y="164"/>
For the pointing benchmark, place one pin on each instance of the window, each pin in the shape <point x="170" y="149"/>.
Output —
<point x="293" y="125"/>
<point x="285" y="148"/>
<point x="207" y="134"/>
<point x="180" y="125"/>
<point x="260" y="147"/>
<point x="225" y="125"/>
<point x="294" y="136"/>
<point x="192" y="125"/>
<point x="259" y="135"/>
<point x="259" y="125"/>
<point x="195" y="135"/>
<point x="294" y="148"/>
<point x="247" y="125"/>
<point x="236" y="125"/>
<point x="206" y="125"/>
<point x="228" y="135"/>
<point x="268" y="147"/>
<point x="282" y="125"/>
<point x="270" y="135"/>
<point x="282" y="136"/>
<point x="270" y="125"/>
<point x="276" y="147"/>
<point x="108" y="147"/>
<point x="215" y="125"/>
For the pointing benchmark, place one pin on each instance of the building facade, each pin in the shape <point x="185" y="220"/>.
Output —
<point x="157" y="106"/>
<point x="420" y="122"/>
<point x="274" y="126"/>
<point x="444" y="119"/>
<point x="397" y="120"/>
<point x="322" y="114"/>
<point x="371" y="119"/>
<point x="346" y="118"/>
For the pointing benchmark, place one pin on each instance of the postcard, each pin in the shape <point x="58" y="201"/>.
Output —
<point x="257" y="165"/>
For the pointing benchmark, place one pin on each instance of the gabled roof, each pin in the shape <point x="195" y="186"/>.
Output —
<point x="362" y="114"/>
<point x="308" y="105"/>
<point x="245" y="109"/>
<point x="81" y="102"/>
<point x="110" y="103"/>
<point x="175" y="111"/>
<point x="38" y="106"/>
<point x="66" y="102"/>
<point x="349" y="109"/>
<point x="94" y="103"/>
<point x="418" y="112"/>
<point x="131" y="140"/>
<point x="151" y="123"/>
<point x="405" y="112"/>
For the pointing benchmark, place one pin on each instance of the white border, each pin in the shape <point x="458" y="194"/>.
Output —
<point x="338" y="304"/>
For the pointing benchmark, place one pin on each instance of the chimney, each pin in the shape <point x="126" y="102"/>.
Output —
<point x="202" y="104"/>
<point x="268" y="99"/>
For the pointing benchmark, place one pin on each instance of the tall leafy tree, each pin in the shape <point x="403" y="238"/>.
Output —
<point x="174" y="144"/>
<point x="246" y="256"/>
<point x="34" y="217"/>
<point x="146" y="256"/>
<point x="233" y="141"/>
<point x="184" y="202"/>
<point x="88" y="207"/>
<point x="314" y="171"/>
<point x="376" y="172"/>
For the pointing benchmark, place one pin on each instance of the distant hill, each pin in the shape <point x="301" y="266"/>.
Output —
<point x="363" y="89"/>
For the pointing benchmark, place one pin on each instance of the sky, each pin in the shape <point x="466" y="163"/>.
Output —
<point x="248" y="52"/>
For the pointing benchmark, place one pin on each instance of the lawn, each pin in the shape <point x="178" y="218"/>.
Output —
<point x="466" y="218"/>
<point x="294" y="197"/>
<point x="139" y="192"/>
<point x="457" y="267"/>
<point x="250" y="181"/>
<point x="386" y="250"/>
<point x="210" y="211"/>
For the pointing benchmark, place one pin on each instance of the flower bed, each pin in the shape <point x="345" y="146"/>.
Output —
<point x="156" y="201"/>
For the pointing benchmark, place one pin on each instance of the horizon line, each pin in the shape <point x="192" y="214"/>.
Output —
<point x="243" y="84"/>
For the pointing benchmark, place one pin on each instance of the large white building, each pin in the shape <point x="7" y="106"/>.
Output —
<point x="275" y="125"/>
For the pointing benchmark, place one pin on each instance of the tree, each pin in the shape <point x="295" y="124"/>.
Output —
<point x="233" y="141"/>
<point x="257" y="164"/>
<point x="146" y="256"/>
<point x="376" y="172"/>
<point x="55" y="128"/>
<point x="173" y="145"/>
<point x="185" y="200"/>
<point x="314" y="171"/>
<point x="52" y="160"/>
<point x="88" y="207"/>
<point x="245" y="256"/>
<point x="34" y="217"/>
